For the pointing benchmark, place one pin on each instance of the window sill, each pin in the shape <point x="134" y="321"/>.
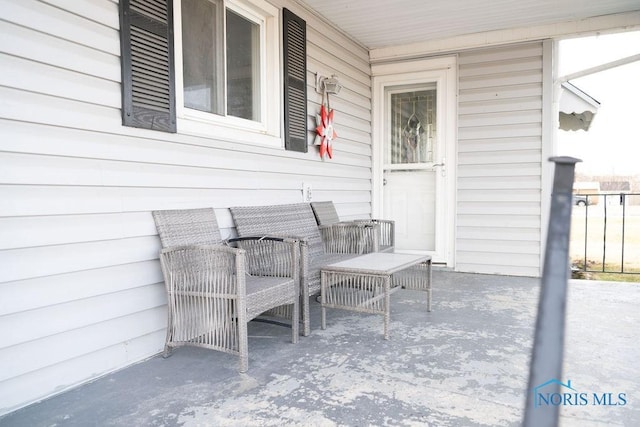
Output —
<point x="228" y="132"/>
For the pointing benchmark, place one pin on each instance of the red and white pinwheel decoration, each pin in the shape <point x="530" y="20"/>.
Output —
<point x="325" y="132"/>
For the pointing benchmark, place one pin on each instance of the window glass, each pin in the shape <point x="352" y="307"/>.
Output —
<point x="203" y="74"/>
<point x="230" y="55"/>
<point x="413" y="126"/>
<point x="243" y="67"/>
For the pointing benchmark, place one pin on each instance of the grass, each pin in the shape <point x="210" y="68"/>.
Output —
<point x="617" y="277"/>
<point x="594" y="219"/>
<point x="594" y="272"/>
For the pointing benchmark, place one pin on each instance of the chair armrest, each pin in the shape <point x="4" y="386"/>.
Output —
<point x="384" y="221"/>
<point x="387" y="230"/>
<point x="351" y="237"/>
<point x="268" y="237"/>
<point x="270" y="255"/>
<point x="204" y="271"/>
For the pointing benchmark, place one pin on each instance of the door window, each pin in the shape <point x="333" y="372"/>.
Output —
<point x="412" y="127"/>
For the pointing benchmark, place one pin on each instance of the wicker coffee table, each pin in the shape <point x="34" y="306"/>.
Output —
<point x="364" y="284"/>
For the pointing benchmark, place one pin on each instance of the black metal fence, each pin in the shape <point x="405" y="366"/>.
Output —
<point x="611" y="232"/>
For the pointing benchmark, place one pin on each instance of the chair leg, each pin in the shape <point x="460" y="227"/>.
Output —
<point x="243" y="347"/>
<point x="306" y="323"/>
<point x="169" y="335"/>
<point x="167" y="351"/>
<point x="295" y="322"/>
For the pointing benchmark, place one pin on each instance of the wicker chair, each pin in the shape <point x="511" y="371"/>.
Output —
<point x="326" y="215"/>
<point x="210" y="290"/>
<point x="296" y="221"/>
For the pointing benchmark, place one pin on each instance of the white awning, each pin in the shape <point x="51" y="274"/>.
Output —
<point x="577" y="108"/>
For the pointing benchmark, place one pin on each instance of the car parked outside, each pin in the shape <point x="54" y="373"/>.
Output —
<point x="580" y="200"/>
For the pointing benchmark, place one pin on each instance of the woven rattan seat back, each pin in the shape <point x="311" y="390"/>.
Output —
<point x="210" y="294"/>
<point x="325" y="213"/>
<point x="287" y="220"/>
<point x="327" y="216"/>
<point x="187" y="227"/>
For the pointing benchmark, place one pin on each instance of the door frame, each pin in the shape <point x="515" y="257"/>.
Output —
<point x="443" y="71"/>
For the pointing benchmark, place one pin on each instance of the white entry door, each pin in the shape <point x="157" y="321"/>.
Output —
<point x="413" y="149"/>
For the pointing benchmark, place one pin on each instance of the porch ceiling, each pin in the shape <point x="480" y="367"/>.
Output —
<point x="382" y="23"/>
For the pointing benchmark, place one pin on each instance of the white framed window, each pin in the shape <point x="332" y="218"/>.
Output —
<point x="227" y="55"/>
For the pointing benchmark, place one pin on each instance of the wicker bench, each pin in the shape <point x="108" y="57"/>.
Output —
<point x="297" y="221"/>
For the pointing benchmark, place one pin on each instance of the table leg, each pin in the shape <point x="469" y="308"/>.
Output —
<point x="323" y="297"/>
<point x="429" y="285"/>
<point x="387" y="305"/>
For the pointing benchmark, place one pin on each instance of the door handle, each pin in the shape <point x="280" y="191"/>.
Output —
<point x="442" y="165"/>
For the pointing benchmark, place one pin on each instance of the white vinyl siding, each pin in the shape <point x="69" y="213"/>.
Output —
<point x="81" y="291"/>
<point x="498" y="226"/>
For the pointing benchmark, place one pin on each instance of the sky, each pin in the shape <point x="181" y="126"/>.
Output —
<point x="612" y="144"/>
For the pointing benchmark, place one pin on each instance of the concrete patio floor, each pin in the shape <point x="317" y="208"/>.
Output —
<point x="466" y="363"/>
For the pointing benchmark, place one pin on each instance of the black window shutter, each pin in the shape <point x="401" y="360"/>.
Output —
<point x="295" y="81"/>
<point x="148" y="70"/>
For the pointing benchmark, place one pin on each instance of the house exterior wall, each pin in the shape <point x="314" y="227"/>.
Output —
<point x="81" y="290"/>
<point x="500" y="160"/>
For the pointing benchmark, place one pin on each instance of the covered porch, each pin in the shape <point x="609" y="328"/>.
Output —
<point x="83" y="165"/>
<point x="465" y="363"/>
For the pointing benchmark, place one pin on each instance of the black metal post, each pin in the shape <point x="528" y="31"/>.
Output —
<point x="586" y="233"/>
<point x="604" y="235"/>
<point x="547" y="354"/>
<point x="624" y="216"/>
